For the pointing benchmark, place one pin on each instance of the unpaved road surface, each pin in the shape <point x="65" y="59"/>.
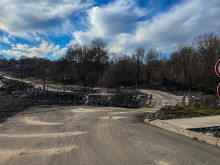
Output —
<point x="162" y="99"/>
<point x="96" y="135"/>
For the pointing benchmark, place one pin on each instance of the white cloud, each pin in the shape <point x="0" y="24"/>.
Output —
<point x="59" y="52"/>
<point x="28" y="18"/>
<point x="119" y="22"/>
<point x="5" y="39"/>
<point x="123" y="23"/>
<point x="42" y="50"/>
<point x="110" y="20"/>
<point x="182" y="22"/>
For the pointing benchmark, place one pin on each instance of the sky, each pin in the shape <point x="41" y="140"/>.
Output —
<point x="44" y="28"/>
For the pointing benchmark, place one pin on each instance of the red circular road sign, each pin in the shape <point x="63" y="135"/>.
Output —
<point x="218" y="90"/>
<point x="217" y="68"/>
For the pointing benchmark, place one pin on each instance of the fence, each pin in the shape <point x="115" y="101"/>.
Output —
<point x="85" y="90"/>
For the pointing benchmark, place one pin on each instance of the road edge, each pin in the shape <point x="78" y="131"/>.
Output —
<point x="181" y="131"/>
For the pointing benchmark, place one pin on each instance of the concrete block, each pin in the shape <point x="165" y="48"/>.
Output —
<point x="210" y="139"/>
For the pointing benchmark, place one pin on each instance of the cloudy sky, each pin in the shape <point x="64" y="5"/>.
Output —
<point x="44" y="28"/>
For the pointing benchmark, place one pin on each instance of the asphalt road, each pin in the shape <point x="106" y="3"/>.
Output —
<point x="97" y="135"/>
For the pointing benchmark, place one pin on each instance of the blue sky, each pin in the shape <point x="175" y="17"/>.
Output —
<point x="45" y="28"/>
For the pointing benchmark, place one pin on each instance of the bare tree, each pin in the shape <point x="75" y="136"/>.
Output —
<point x="208" y="48"/>
<point x="138" y="57"/>
<point x="150" y="59"/>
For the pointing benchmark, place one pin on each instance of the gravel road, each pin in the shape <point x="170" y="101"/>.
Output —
<point x="97" y="135"/>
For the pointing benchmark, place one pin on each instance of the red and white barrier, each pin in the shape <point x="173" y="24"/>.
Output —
<point x="86" y="99"/>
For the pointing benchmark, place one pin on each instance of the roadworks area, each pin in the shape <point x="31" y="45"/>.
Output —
<point x="17" y="95"/>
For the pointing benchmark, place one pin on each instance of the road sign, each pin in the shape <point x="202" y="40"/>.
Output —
<point x="86" y="99"/>
<point x="218" y="90"/>
<point x="217" y="68"/>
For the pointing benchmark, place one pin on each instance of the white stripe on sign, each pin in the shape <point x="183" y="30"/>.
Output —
<point x="86" y="100"/>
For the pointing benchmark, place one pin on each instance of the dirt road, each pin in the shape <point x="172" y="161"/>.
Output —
<point x="96" y="135"/>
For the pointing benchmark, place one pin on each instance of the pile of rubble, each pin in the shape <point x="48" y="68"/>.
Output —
<point x="131" y="99"/>
<point x="15" y="96"/>
<point x="8" y="86"/>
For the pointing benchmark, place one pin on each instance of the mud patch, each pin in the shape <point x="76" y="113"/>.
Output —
<point x="10" y="153"/>
<point x="160" y="162"/>
<point x="116" y="113"/>
<point x="32" y="121"/>
<point x="49" y="135"/>
<point x="113" y="117"/>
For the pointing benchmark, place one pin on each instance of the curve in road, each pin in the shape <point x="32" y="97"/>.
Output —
<point x="97" y="135"/>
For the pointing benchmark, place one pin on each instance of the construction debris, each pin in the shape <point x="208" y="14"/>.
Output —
<point x="131" y="99"/>
<point x="16" y="95"/>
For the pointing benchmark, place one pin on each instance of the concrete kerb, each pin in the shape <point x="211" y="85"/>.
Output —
<point x="218" y="143"/>
<point x="181" y="131"/>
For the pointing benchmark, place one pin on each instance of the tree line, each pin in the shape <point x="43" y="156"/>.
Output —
<point x="189" y="66"/>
